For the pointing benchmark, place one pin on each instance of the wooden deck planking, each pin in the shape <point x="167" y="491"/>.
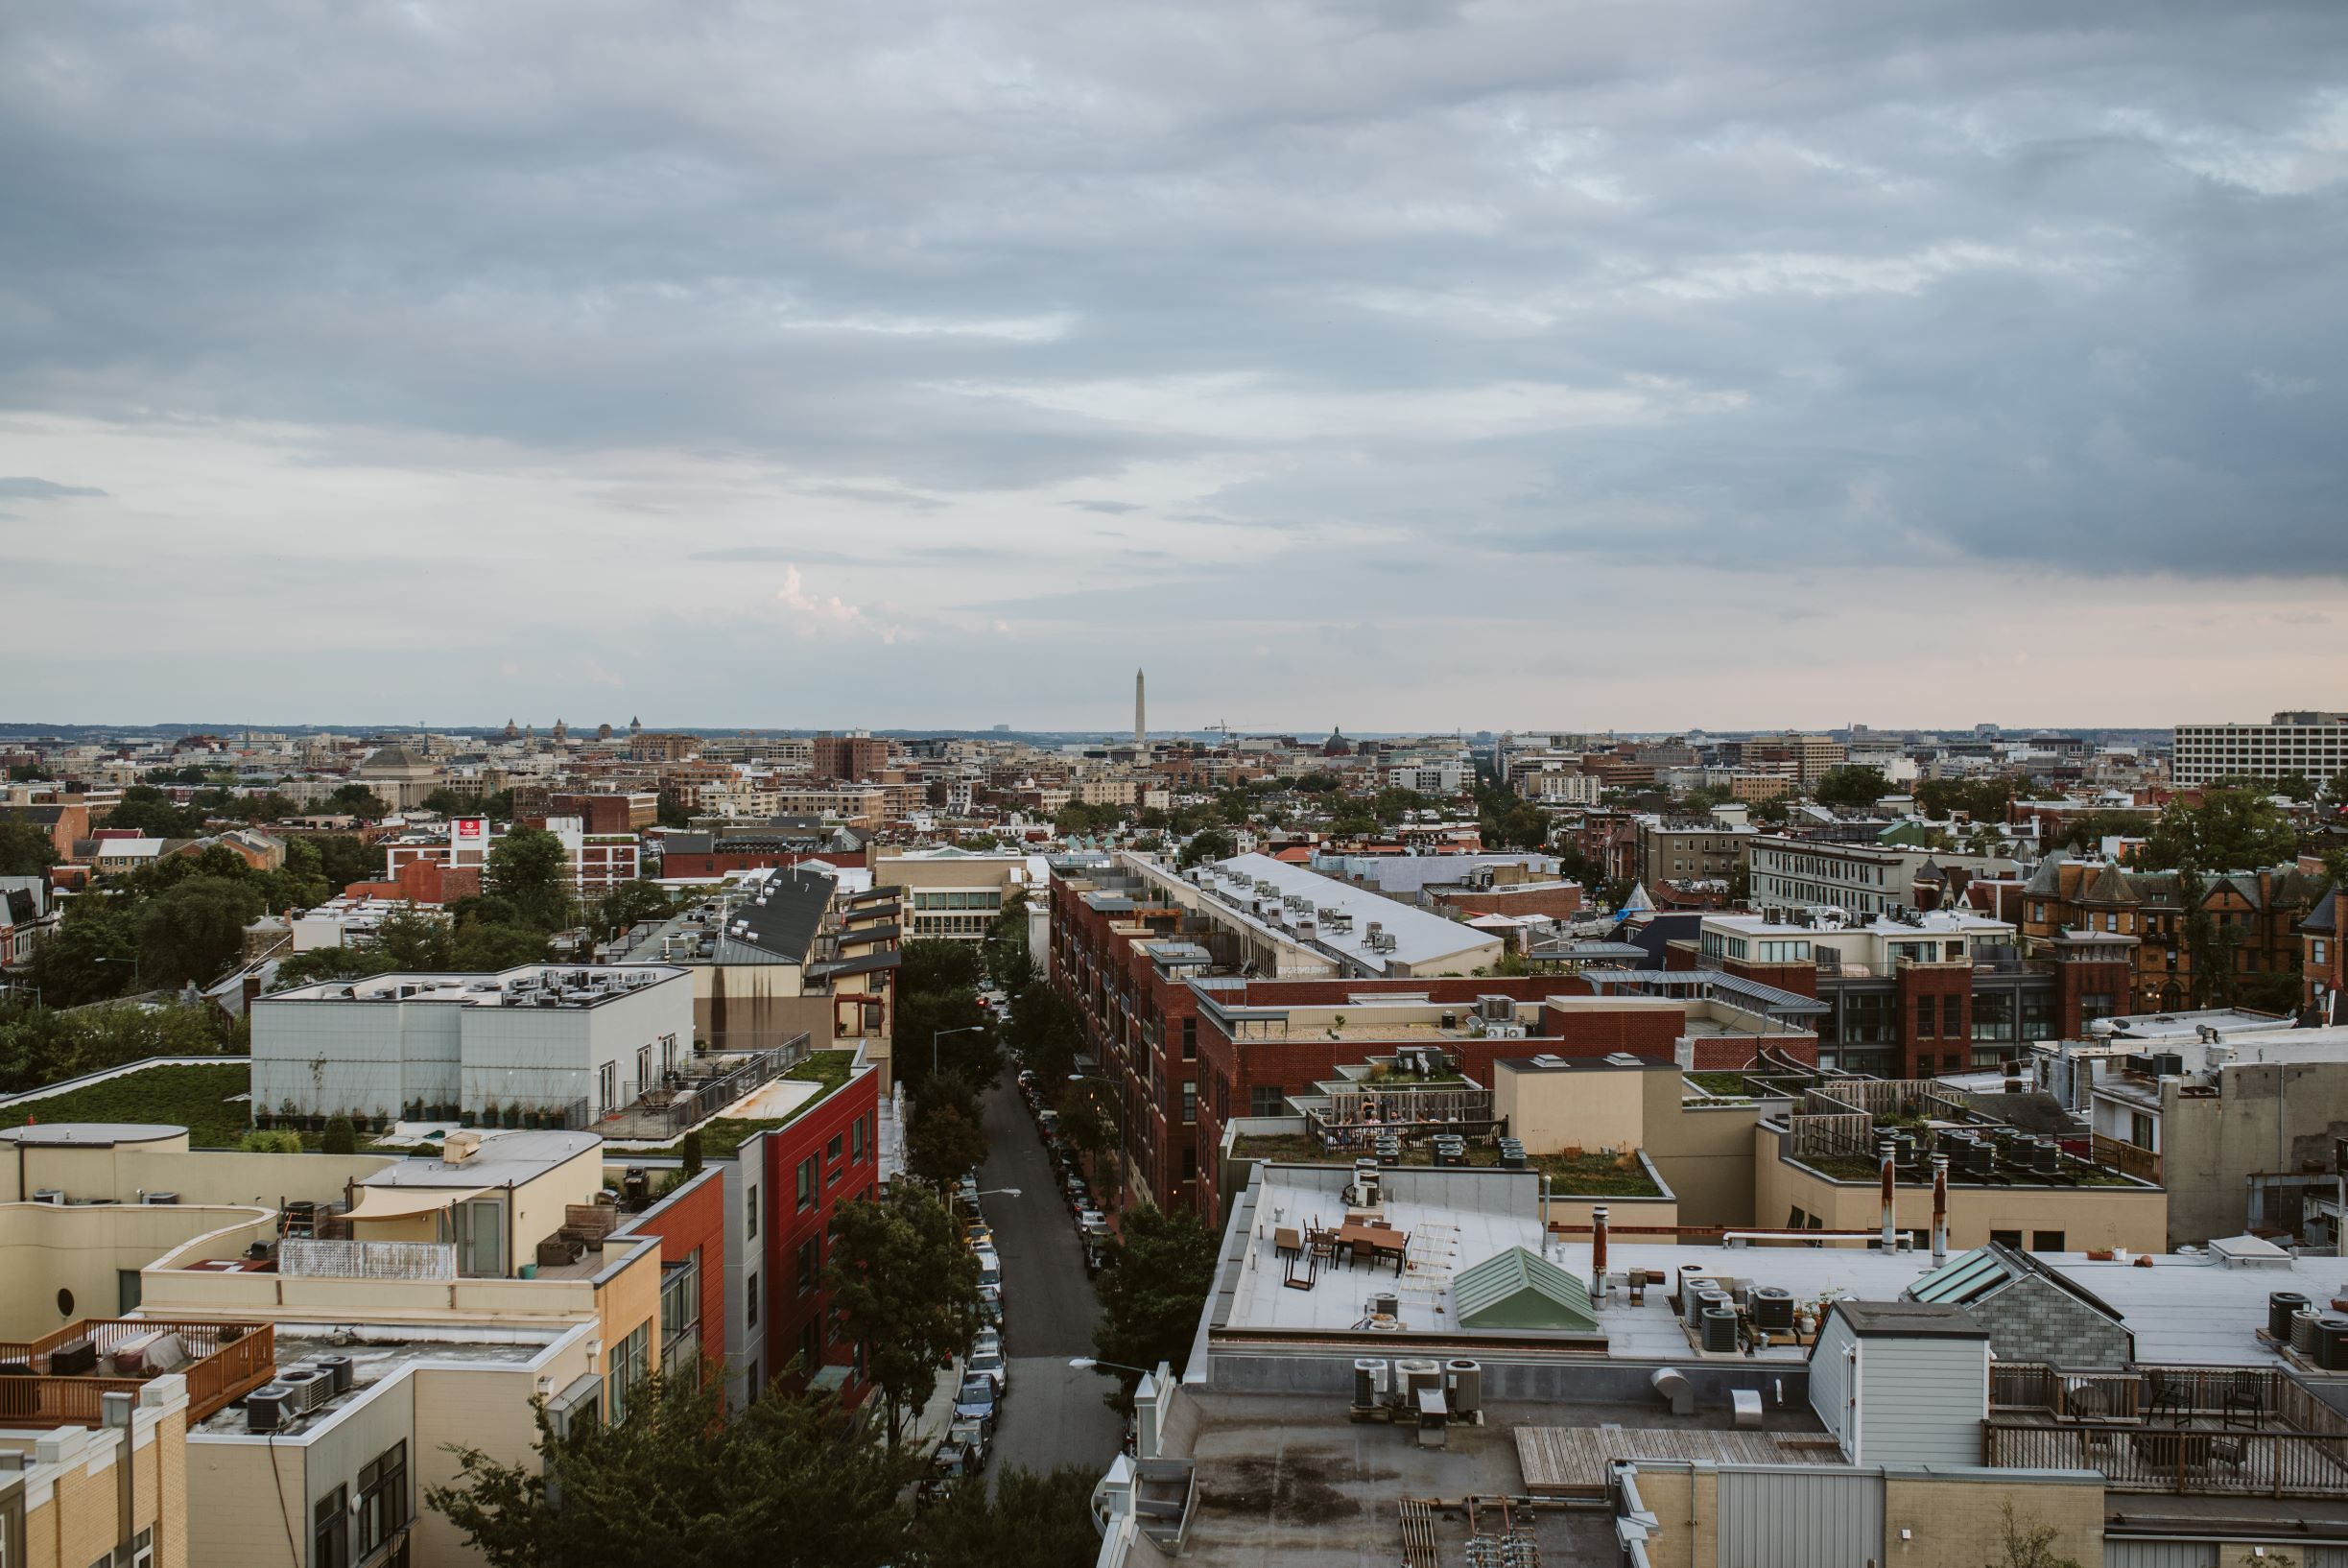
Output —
<point x="1574" y="1461"/>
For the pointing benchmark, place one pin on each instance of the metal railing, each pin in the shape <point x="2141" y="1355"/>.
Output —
<point x="2247" y="1431"/>
<point x="428" y="1261"/>
<point x="2127" y="1158"/>
<point x="695" y="1101"/>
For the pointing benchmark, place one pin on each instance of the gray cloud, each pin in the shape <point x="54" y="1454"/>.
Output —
<point x="1988" y="289"/>
<point x="23" y="487"/>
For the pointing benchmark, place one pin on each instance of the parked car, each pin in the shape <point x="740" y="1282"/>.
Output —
<point x="990" y="1275"/>
<point x="979" y="1237"/>
<point x="973" y="1436"/>
<point x="987" y="1339"/>
<point x="976" y="1400"/>
<point x="990" y="1363"/>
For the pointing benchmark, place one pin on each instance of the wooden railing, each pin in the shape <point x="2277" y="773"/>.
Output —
<point x="2127" y="1158"/>
<point x="2164" y="1459"/>
<point x="225" y="1361"/>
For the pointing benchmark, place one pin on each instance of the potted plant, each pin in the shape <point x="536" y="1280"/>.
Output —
<point x="513" y="1116"/>
<point x="464" y="1118"/>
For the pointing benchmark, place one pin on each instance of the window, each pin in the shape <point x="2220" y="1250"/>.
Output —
<point x="831" y="1151"/>
<point x="383" y="1498"/>
<point x="1953" y="1018"/>
<point x="2140" y="1130"/>
<point x="807" y="1184"/>
<point x="856" y="1138"/>
<point x="329" y="1538"/>
<point x="1190" y="1026"/>
<point x="2008" y="1238"/>
<point x="1266" y="1100"/>
<point x="631" y="1360"/>
<point x="749" y="1304"/>
<point x="2046" y="1241"/>
<point x="680" y="1310"/>
<point x="1190" y="1164"/>
<point x="810" y="1256"/>
<point x="1190" y="1103"/>
<point x="1925" y="1014"/>
<point x="811" y="1350"/>
<point x="749" y="1211"/>
<point x="2321" y="951"/>
<point x="1993" y="1016"/>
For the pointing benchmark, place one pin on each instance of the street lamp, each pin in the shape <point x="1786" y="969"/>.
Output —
<point x="1081" y="1362"/>
<point x="132" y="962"/>
<point x="939" y="1034"/>
<point x="996" y="1192"/>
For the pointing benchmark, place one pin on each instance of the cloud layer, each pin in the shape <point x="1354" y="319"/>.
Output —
<point x="1030" y="333"/>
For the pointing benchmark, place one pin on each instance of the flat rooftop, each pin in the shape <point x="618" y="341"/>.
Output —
<point x="1419" y="937"/>
<point x="503" y="1158"/>
<point x="372" y="1363"/>
<point x="531" y="984"/>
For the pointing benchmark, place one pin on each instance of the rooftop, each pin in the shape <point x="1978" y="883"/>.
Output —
<point x="374" y="1362"/>
<point x="1416" y="936"/>
<point x="503" y="1158"/>
<point x="531" y="984"/>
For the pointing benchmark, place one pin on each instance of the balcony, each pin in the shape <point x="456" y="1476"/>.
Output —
<point x="2187" y="1431"/>
<point x="61" y="1378"/>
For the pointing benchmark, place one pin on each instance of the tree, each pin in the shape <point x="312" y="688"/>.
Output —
<point x="530" y="871"/>
<point x="942" y="1144"/>
<point x="342" y="1137"/>
<point x="40" y="1045"/>
<point x="483" y="947"/>
<point x="1851" y="786"/>
<point x="89" y="957"/>
<point x="2027" y="1545"/>
<point x="1030" y="1521"/>
<point x="1154" y="1284"/>
<point x="2296" y="787"/>
<point x="906" y="1292"/>
<point x="1047" y="1030"/>
<point x="672" y="812"/>
<point x="343" y="859"/>
<point x="196" y="930"/>
<point x="1005" y="947"/>
<point x="676" y="1482"/>
<point x="1212" y="845"/>
<point x="689" y="1151"/>
<point x="931" y="964"/>
<point x="149" y="810"/>
<point x="628" y="904"/>
<point x="26" y="848"/>
<point x="2336" y="792"/>
<point x="2231" y="830"/>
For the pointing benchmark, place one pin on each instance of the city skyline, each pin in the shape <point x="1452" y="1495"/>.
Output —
<point x="1742" y="369"/>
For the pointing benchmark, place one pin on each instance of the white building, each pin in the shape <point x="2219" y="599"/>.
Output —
<point x="562" y="1044"/>
<point x="2312" y="743"/>
<point x="1861" y="878"/>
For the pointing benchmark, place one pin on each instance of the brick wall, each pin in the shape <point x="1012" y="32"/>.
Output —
<point x="785" y="1312"/>
<point x="690" y="1220"/>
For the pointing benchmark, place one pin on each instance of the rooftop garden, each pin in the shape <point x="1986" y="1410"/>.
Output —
<point x="1572" y="1175"/>
<point x="208" y="1101"/>
<point x="1869" y="1168"/>
<point x="1597" y="1176"/>
<point x="724" y="1137"/>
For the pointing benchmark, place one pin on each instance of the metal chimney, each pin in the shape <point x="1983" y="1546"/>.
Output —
<point x="1891" y="1230"/>
<point x="1940" y="1207"/>
<point x="1598" y="1251"/>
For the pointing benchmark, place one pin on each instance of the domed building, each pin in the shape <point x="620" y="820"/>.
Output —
<point x="1336" y="744"/>
<point x="398" y="776"/>
<point x="603" y="732"/>
<point x="513" y="730"/>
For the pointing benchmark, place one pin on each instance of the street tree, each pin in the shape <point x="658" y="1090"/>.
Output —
<point x="942" y="1142"/>
<point x="676" y="1481"/>
<point x="194" y="930"/>
<point x="1153" y="1283"/>
<point x="26" y="848"/>
<point x="529" y="869"/>
<point x="933" y="963"/>
<point x="906" y="1289"/>
<point x="1029" y="1521"/>
<point x="2231" y="830"/>
<point x="628" y="904"/>
<point x="1851" y="786"/>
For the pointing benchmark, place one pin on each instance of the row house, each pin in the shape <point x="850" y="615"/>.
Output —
<point x="2254" y="922"/>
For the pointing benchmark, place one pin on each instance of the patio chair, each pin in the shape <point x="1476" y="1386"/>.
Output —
<point x="1365" y="1253"/>
<point x="2245" y="1401"/>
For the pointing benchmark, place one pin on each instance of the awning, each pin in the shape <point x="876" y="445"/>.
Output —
<point x="407" y="1202"/>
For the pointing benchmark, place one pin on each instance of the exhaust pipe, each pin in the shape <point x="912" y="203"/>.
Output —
<point x="1891" y="1230"/>
<point x="1598" y="1251"/>
<point x="1940" y="1207"/>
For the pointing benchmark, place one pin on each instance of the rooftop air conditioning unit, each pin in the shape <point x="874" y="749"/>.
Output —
<point x="268" y="1408"/>
<point x="307" y="1387"/>
<point x="164" y="1200"/>
<point x="49" y="1195"/>
<point x="1496" y="1009"/>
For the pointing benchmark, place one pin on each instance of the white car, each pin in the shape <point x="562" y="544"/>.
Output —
<point x="990" y="1363"/>
<point x="990" y="1276"/>
<point x="985" y="1339"/>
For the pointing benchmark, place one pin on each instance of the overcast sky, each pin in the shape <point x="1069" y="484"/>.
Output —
<point x="1384" y="365"/>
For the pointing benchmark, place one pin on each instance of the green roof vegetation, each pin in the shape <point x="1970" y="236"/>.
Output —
<point x="195" y="1098"/>
<point x="1869" y="1168"/>
<point x="724" y="1137"/>
<point x="1597" y="1176"/>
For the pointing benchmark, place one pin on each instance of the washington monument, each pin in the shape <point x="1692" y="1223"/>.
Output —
<point x="1141" y="724"/>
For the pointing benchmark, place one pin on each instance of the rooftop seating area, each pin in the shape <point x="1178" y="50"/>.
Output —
<point x="61" y="1378"/>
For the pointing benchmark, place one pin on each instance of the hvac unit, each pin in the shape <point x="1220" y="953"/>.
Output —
<point x="338" y="1370"/>
<point x="1496" y="1009"/>
<point x="1371" y="1378"/>
<point x="1773" y="1307"/>
<point x="1412" y="1374"/>
<point x="307" y="1388"/>
<point x="49" y="1195"/>
<point x="268" y="1406"/>
<point x="1463" y="1384"/>
<point x="1721" y="1329"/>
<point x="166" y="1200"/>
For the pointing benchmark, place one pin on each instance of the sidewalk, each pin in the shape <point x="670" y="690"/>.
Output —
<point x="926" y="1429"/>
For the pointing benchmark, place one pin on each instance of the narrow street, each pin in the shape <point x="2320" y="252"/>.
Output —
<point x="1054" y="1415"/>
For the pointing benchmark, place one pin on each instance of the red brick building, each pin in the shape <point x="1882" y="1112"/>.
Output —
<point x="801" y="1173"/>
<point x="849" y="757"/>
<point x="606" y="813"/>
<point x="691" y="1225"/>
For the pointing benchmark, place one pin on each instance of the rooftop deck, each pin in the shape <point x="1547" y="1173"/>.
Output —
<point x="61" y="1378"/>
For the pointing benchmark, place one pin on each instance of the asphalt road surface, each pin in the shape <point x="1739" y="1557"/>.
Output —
<point x="1053" y="1414"/>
